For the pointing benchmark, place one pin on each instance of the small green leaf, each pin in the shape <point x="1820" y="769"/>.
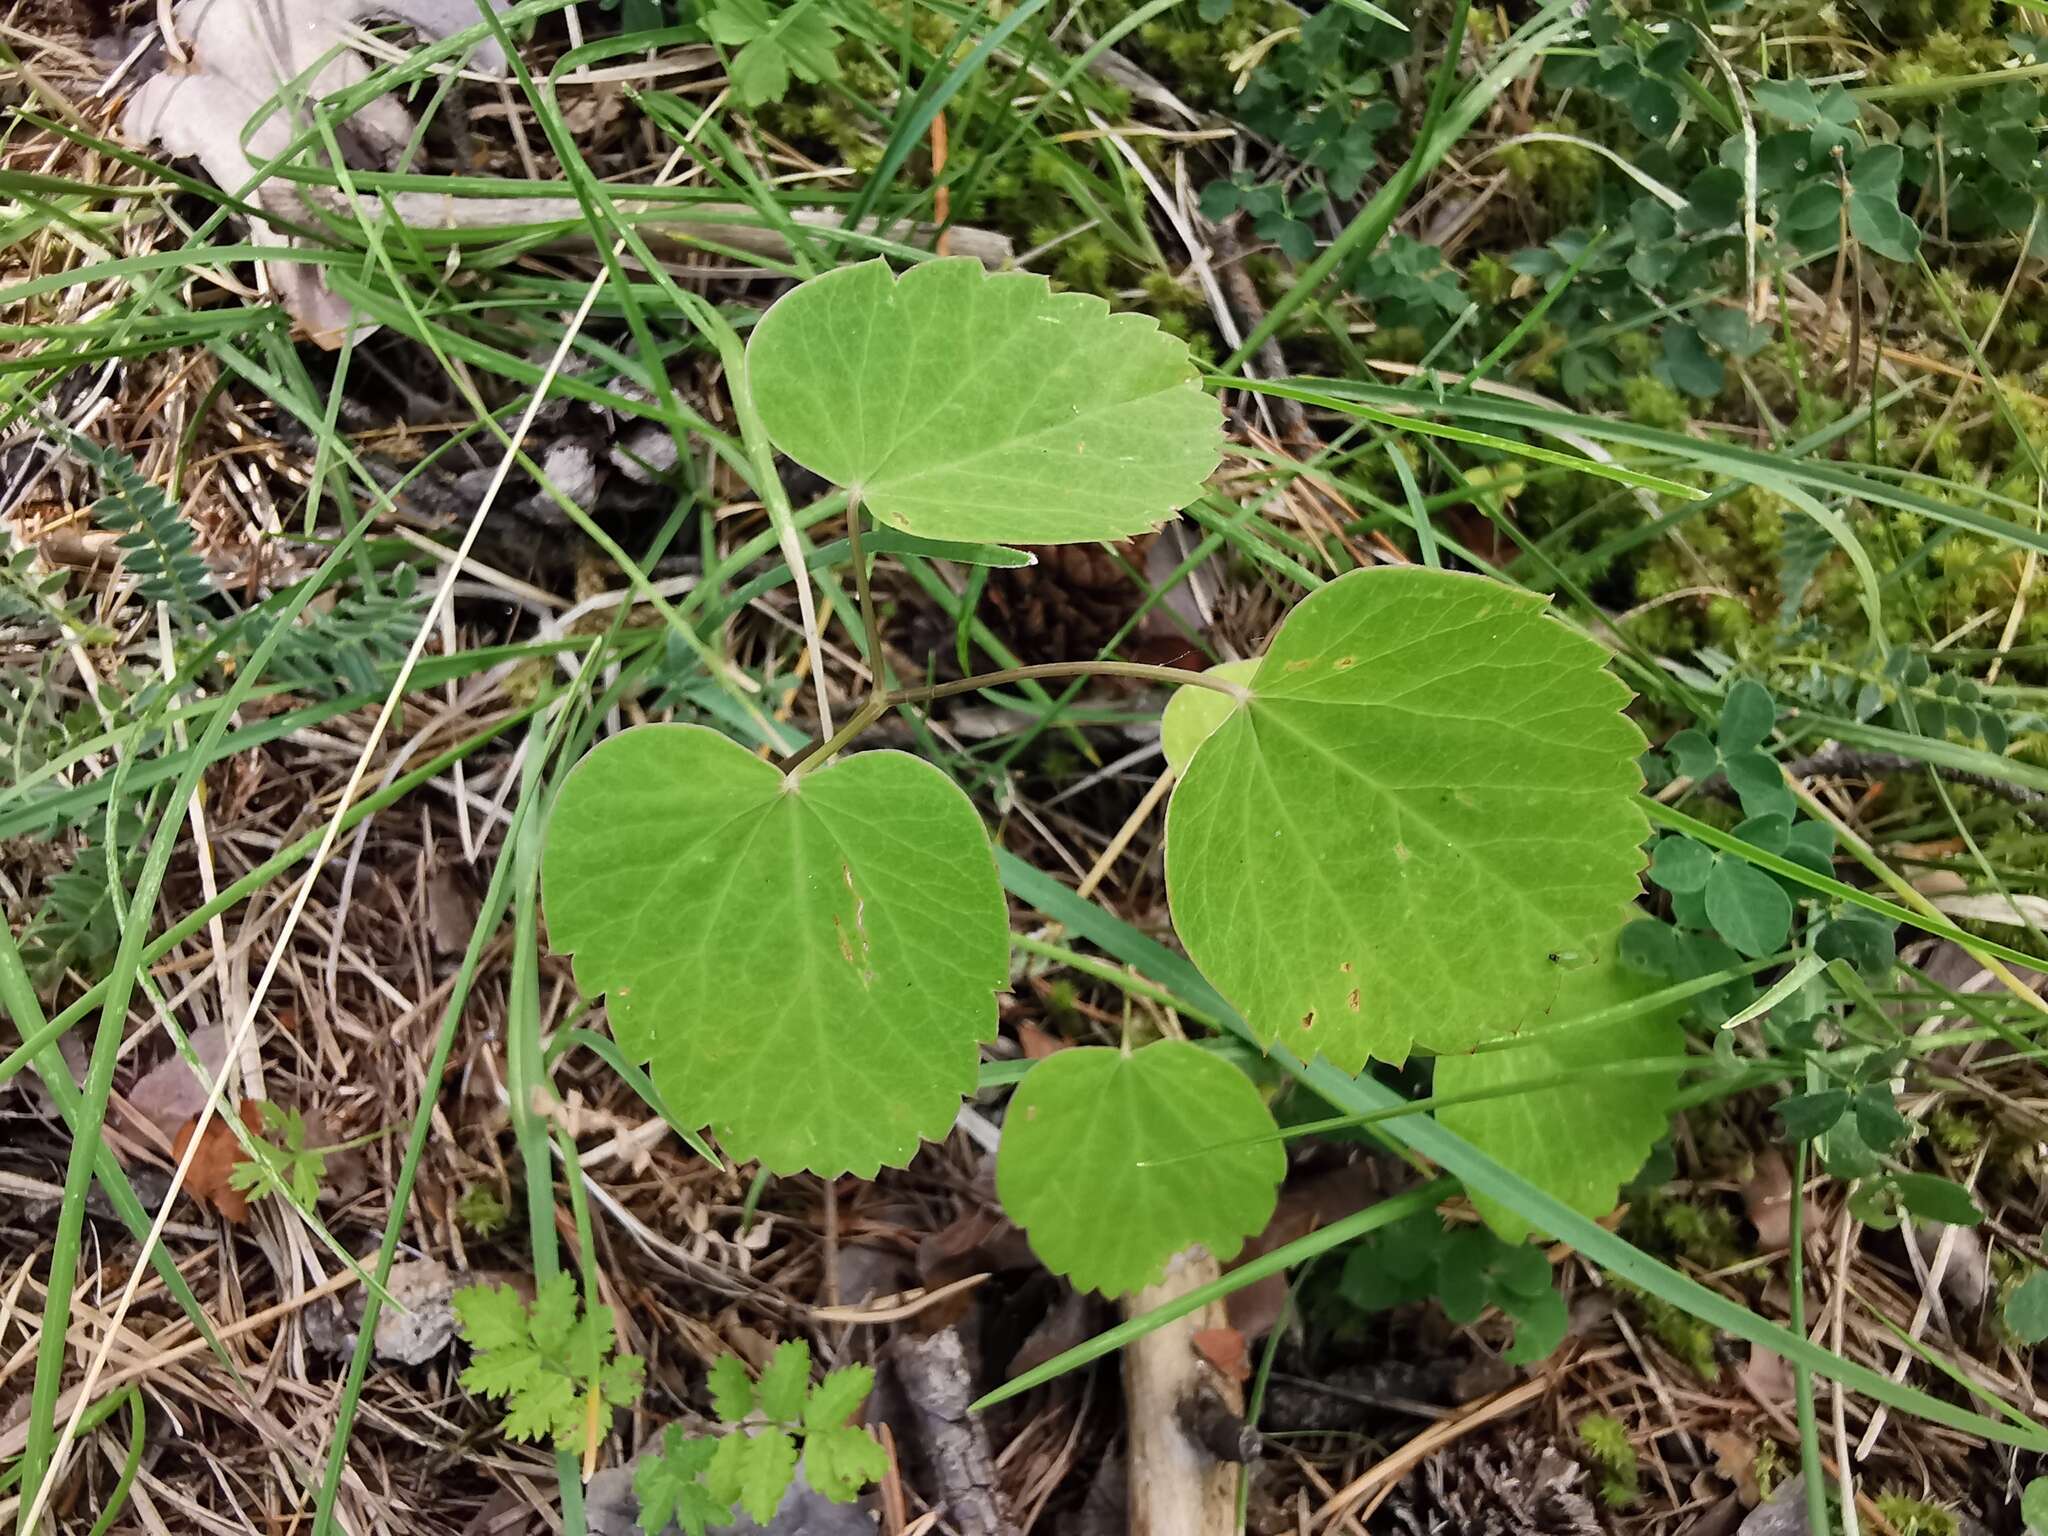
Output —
<point x="1540" y="1326"/>
<point x="1790" y="101"/>
<point x="2034" y="1506"/>
<point x="554" y="1312"/>
<point x="2026" y="1309"/>
<point x="548" y="1408"/>
<point x="504" y="1371"/>
<point x="1583" y="1139"/>
<point x="964" y="404"/>
<point x="835" y="1399"/>
<point x="1808" y="1115"/>
<point x="621" y="1380"/>
<point x="1428" y="802"/>
<point x="748" y="927"/>
<point x="492" y="1316"/>
<point x="1882" y="226"/>
<point x="1749" y="711"/>
<point x="1933" y="1198"/>
<point x="1193" y="713"/>
<point x="1113" y="1162"/>
<point x="1760" y="784"/>
<point x="763" y="1467"/>
<point x="1878" y="1119"/>
<point x="1693" y="752"/>
<point x="1748" y="908"/>
<point x="1680" y="864"/>
<point x="670" y="1486"/>
<point x="1692" y="367"/>
<point x="731" y="1389"/>
<point x="786" y="1382"/>
<point x="773" y="44"/>
<point x="841" y="1462"/>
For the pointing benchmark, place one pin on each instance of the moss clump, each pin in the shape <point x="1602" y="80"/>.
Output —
<point x="1916" y="1517"/>
<point x="1611" y="1456"/>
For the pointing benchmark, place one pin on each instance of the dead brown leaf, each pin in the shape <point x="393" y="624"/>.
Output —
<point x="1224" y="1348"/>
<point x="219" y="1153"/>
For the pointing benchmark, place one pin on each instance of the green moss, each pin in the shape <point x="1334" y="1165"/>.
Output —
<point x="1956" y="1132"/>
<point x="1916" y="1517"/>
<point x="1691" y="1340"/>
<point x="1609" y="1453"/>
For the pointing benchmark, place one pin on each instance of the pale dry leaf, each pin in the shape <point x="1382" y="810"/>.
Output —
<point x="1224" y="1348"/>
<point x="1767" y="1200"/>
<point x="170" y="1093"/>
<point x="237" y="102"/>
<point x="1767" y="1377"/>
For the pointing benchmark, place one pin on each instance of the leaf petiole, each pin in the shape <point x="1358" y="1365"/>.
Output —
<point x="875" y="708"/>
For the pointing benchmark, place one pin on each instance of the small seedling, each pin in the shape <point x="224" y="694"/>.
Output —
<point x="768" y="1426"/>
<point x="282" y="1164"/>
<point x="1468" y="1270"/>
<point x="553" y="1363"/>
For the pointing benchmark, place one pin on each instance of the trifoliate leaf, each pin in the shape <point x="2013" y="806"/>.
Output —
<point x="1114" y="1161"/>
<point x="810" y="964"/>
<point x="1425" y="810"/>
<point x="786" y="1382"/>
<point x="753" y="1471"/>
<point x="841" y="1462"/>
<point x="492" y="1316"/>
<point x="670" y="1486"/>
<point x="964" y="404"/>
<point x="1808" y="1115"/>
<point x="773" y="44"/>
<point x="731" y="1389"/>
<point x="1582" y="1139"/>
<point x="835" y="1399"/>
<point x="1193" y="712"/>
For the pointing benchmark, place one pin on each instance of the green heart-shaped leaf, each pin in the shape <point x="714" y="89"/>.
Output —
<point x="1580" y="1140"/>
<point x="1422" y="816"/>
<point x="964" y="404"/>
<point x="1114" y="1161"/>
<point x="809" y="964"/>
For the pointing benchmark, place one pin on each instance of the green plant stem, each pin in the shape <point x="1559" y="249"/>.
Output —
<point x="875" y="708"/>
<point x="1802" y="1378"/>
<point x="871" y="632"/>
